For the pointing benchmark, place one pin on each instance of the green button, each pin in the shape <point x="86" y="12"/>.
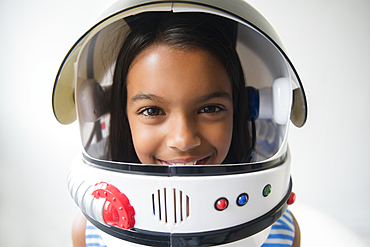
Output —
<point x="266" y="190"/>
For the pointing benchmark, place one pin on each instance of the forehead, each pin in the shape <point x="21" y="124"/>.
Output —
<point x="164" y="69"/>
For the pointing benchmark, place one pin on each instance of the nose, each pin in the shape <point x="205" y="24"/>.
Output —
<point x="183" y="134"/>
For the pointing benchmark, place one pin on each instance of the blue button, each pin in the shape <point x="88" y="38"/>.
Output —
<point x="242" y="199"/>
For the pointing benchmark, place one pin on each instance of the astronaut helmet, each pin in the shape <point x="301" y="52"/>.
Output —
<point x="233" y="203"/>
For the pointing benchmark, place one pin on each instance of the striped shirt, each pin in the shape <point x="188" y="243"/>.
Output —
<point x="281" y="234"/>
<point x="92" y="236"/>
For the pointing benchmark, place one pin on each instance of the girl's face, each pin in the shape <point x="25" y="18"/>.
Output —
<point x="179" y="106"/>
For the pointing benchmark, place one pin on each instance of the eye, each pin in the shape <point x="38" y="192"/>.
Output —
<point x="211" y="109"/>
<point x="151" y="112"/>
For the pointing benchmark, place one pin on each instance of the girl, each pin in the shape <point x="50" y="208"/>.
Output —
<point x="178" y="99"/>
<point x="211" y="41"/>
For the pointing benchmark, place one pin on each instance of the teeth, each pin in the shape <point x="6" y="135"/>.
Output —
<point x="185" y="164"/>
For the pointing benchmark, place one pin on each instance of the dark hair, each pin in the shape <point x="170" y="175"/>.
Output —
<point x="215" y="34"/>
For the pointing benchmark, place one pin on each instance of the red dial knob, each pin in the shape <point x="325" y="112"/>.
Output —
<point x="117" y="210"/>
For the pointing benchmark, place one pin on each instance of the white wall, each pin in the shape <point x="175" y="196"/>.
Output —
<point x="35" y="207"/>
<point x="328" y="42"/>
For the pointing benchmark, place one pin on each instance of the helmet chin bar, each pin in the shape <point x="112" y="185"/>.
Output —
<point x="179" y="208"/>
<point x="209" y="238"/>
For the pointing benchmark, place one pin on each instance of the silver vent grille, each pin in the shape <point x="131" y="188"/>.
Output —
<point x="171" y="206"/>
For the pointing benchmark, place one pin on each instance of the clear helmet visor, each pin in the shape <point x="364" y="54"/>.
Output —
<point x="273" y="90"/>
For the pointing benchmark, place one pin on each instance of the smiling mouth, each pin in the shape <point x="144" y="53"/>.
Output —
<point x="193" y="163"/>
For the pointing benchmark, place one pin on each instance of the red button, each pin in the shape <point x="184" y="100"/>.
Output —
<point x="221" y="204"/>
<point x="291" y="198"/>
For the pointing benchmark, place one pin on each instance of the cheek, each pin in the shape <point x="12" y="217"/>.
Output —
<point x="219" y="136"/>
<point x="145" y="141"/>
<point x="224" y="140"/>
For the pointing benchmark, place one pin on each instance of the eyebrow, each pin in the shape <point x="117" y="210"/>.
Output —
<point x="204" y="98"/>
<point x="214" y="95"/>
<point x="144" y="96"/>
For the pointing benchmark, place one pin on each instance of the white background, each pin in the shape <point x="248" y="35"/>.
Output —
<point x="328" y="41"/>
